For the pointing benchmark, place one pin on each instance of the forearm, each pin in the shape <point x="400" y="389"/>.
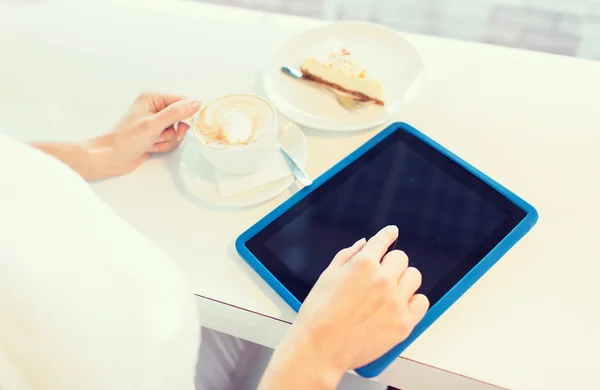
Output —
<point x="87" y="158"/>
<point x="296" y="365"/>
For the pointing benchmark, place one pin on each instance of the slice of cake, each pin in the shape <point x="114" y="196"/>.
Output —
<point x="333" y="65"/>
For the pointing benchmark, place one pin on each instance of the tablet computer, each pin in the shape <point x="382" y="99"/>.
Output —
<point x="454" y="221"/>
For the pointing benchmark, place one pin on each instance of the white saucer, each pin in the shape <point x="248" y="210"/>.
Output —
<point x="386" y="55"/>
<point x="197" y="175"/>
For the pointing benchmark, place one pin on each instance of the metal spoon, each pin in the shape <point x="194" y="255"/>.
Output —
<point x="348" y="102"/>
<point x="298" y="172"/>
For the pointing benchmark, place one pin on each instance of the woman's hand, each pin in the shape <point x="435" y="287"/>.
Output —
<point x="146" y="128"/>
<point x="363" y="304"/>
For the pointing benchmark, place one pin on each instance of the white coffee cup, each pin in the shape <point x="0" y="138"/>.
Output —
<point x="243" y="157"/>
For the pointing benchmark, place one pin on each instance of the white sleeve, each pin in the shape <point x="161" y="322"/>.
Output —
<point x="86" y="302"/>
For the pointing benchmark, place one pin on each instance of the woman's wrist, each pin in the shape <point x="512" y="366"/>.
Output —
<point x="100" y="152"/>
<point x="299" y="363"/>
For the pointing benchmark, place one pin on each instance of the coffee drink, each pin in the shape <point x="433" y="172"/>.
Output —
<point x="238" y="133"/>
<point x="235" y="120"/>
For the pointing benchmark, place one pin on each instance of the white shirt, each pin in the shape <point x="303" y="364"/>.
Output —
<point x="86" y="302"/>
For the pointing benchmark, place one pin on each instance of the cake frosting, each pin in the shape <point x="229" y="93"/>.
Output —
<point x="332" y="64"/>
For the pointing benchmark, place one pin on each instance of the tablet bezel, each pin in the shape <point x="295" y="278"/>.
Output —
<point x="445" y="301"/>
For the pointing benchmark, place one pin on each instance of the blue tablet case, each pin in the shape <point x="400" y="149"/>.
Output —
<point x="376" y="367"/>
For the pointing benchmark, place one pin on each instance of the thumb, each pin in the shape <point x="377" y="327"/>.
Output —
<point x="175" y="112"/>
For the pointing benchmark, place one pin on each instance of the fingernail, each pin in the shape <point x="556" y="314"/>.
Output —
<point x="391" y="229"/>
<point x="360" y="242"/>
<point x="192" y="104"/>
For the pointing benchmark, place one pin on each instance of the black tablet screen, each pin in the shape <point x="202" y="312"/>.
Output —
<point x="448" y="218"/>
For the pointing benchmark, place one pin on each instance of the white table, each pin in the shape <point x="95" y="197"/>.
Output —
<point x="530" y="120"/>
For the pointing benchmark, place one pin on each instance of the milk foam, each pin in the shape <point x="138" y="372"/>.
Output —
<point x="234" y="120"/>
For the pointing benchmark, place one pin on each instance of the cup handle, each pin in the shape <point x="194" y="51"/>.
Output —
<point x="189" y="121"/>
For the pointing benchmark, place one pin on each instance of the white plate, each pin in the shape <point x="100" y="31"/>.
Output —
<point x="198" y="178"/>
<point x="386" y="55"/>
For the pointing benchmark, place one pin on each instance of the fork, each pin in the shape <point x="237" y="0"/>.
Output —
<point x="350" y="103"/>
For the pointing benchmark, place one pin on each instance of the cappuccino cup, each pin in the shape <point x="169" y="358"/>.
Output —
<point x="237" y="133"/>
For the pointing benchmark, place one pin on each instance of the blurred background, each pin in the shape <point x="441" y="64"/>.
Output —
<point x="567" y="27"/>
